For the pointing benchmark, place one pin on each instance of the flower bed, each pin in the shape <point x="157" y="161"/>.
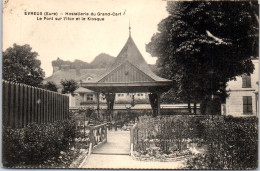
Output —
<point x="82" y="143"/>
<point x="155" y="154"/>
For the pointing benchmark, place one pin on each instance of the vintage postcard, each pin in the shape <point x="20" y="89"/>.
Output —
<point x="130" y="84"/>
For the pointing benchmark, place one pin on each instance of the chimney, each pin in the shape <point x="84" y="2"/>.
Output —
<point x="55" y="69"/>
<point x="56" y="65"/>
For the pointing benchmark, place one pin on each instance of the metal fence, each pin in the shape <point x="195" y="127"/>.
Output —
<point x="23" y="104"/>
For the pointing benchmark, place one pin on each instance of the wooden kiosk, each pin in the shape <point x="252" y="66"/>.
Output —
<point x="129" y="74"/>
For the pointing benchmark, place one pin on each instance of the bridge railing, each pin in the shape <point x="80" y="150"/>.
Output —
<point x="133" y="138"/>
<point x="97" y="136"/>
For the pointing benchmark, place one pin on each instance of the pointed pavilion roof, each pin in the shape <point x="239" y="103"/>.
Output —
<point x="131" y="54"/>
<point x="129" y="69"/>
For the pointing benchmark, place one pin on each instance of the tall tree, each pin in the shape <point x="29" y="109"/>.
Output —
<point x="203" y="45"/>
<point x="21" y="65"/>
<point x="50" y="86"/>
<point x="69" y="86"/>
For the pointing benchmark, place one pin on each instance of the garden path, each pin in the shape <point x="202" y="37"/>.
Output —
<point x="118" y="142"/>
<point x="115" y="154"/>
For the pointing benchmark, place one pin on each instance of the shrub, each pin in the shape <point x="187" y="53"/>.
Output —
<point x="36" y="143"/>
<point x="10" y="144"/>
<point x="172" y="132"/>
<point x="122" y="101"/>
<point x="87" y="111"/>
<point x="136" y="101"/>
<point x="142" y="101"/>
<point x="88" y="102"/>
<point x="232" y="143"/>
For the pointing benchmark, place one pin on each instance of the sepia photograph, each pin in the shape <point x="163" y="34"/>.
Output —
<point x="130" y="84"/>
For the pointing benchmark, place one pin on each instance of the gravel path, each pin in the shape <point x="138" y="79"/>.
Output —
<point x="118" y="142"/>
<point x="97" y="161"/>
<point x="115" y="154"/>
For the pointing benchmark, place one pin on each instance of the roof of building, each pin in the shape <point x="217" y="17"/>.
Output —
<point x="74" y="74"/>
<point x="128" y="73"/>
<point x="131" y="55"/>
<point x="83" y="90"/>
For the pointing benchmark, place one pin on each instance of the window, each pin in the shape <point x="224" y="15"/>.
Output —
<point x="122" y="95"/>
<point x="247" y="105"/>
<point x="89" y="97"/>
<point x="103" y="97"/>
<point x="118" y="95"/>
<point x="246" y="81"/>
<point x="87" y="79"/>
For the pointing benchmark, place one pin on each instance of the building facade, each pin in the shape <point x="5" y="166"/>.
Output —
<point x="83" y="96"/>
<point x="243" y="95"/>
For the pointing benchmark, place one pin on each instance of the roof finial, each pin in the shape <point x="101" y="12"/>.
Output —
<point x="129" y="29"/>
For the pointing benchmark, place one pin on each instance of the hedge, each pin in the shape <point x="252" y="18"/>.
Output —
<point x="136" y="101"/>
<point x="171" y="133"/>
<point x="232" y="143"/>
<point x="36" y="143"/>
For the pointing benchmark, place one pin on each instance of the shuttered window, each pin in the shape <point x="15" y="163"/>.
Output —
<point x="247" y="105"/>
<point x="246" y="81"/>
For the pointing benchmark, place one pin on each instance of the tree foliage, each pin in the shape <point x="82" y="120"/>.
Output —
<point x="21" y="66"/>
<point x="69" y="86"/>
<point x="203" y="45"/>
<point x="50" y="86"/>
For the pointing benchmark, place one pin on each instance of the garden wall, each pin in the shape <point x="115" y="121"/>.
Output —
<point x="23" y="104"/>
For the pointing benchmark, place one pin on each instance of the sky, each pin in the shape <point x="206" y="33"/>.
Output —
<point x="79" y="39"/>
